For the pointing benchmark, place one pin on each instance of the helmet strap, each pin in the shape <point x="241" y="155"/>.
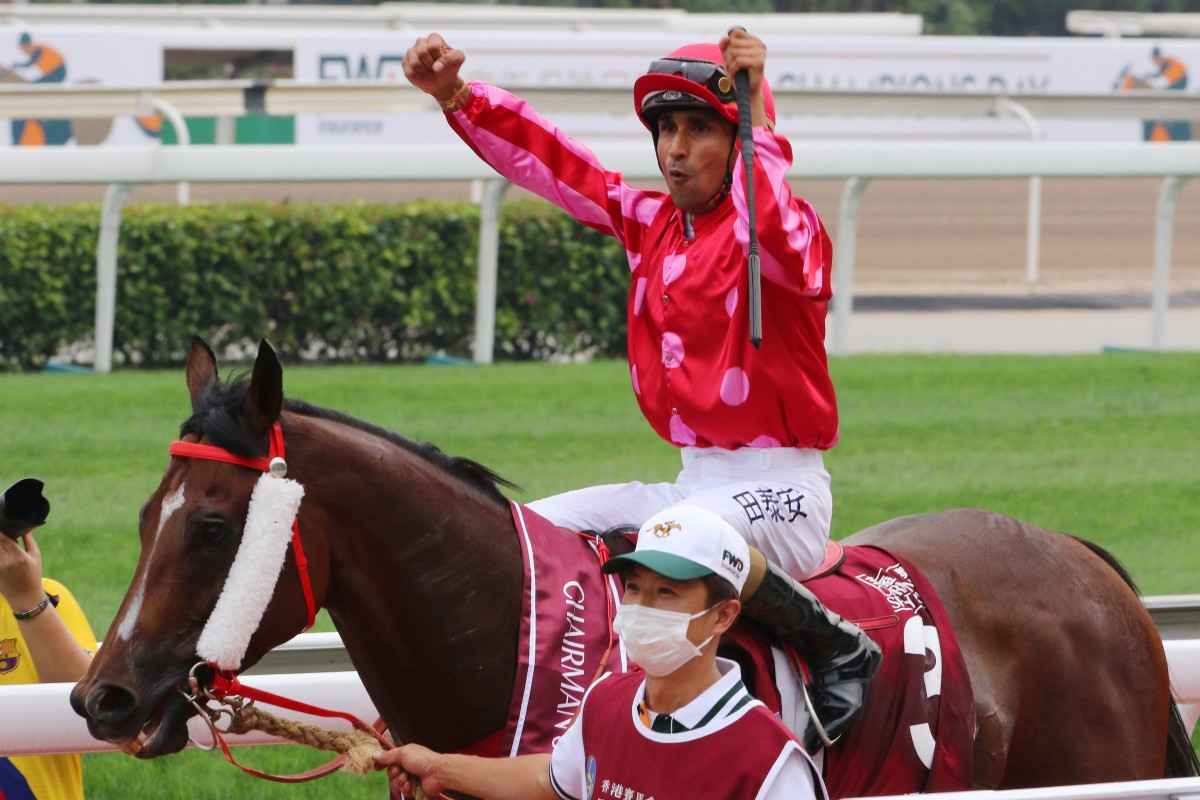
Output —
<point x="723" y="192"/>
<point x="727" y="184"/>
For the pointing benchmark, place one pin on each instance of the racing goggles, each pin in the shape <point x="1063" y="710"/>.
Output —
<point x="709" y="75"/>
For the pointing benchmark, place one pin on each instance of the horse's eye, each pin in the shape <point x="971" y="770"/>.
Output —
<point x="213" y="534"/>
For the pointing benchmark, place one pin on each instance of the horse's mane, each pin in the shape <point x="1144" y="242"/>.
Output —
<point x="219" y="418"/>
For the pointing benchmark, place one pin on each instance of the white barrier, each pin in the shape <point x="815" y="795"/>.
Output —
<point x="49" y="725"/>
<point x="1176" y="162"/>
<point x="285" y="97"/>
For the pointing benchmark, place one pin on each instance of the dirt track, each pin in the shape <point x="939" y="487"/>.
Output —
<point x="914" y="236"/>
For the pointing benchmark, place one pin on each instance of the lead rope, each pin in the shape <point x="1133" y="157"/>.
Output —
<point x="357" y="748"/>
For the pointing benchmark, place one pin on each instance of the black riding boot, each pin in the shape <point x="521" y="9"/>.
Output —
<point x="841" y="657"/>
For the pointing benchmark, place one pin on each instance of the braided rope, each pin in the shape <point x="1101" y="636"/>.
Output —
<point x="359" y="747"/>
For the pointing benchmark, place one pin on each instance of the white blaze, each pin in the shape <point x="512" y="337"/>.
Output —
<point x="170" y="505"/>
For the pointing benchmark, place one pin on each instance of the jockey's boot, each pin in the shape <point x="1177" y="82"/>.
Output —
<point x="841" y="658"/>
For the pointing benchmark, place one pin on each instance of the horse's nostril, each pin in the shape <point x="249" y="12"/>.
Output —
<point x="110" y="703"/>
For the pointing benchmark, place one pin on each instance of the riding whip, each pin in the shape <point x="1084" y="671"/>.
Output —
<point x="746" y="134"/>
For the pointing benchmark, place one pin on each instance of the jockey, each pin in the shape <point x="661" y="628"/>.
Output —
<point x="1172" y="74"/>
<point x="750" y="422"/>
<point x="49" y="63"/>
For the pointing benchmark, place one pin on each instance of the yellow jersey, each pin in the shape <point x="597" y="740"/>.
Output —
<point x="42" y="777"/>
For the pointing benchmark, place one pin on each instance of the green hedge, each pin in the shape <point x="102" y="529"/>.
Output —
<point x="341" y="283"/>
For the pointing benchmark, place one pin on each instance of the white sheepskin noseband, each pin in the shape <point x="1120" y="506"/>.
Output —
<point x="255" y="571"/>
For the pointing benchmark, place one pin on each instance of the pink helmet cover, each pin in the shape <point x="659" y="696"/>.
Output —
<point x="655" y="82"/>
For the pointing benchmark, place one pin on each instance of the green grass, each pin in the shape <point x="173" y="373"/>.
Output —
<point x="1103" y="446"/>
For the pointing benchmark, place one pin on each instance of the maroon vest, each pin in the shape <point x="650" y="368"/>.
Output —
<point x="737" y="752"/>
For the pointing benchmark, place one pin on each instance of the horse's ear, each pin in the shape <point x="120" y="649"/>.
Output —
<point x="201" y="369"/>
<point x="264" y="398"/>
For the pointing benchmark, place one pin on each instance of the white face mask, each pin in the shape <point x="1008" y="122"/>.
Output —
<point x="656" y="639"/>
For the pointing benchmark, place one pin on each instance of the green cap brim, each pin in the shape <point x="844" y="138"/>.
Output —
<point x="668" y="565"/>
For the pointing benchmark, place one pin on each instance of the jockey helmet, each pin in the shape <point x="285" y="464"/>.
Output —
<point x="693" y="76"/>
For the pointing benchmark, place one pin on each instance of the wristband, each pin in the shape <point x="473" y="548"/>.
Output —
<point x="457" y="100"/>
<point x="33" y="612"/>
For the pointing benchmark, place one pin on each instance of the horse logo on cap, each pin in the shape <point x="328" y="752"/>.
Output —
<point x="664" y="529"/>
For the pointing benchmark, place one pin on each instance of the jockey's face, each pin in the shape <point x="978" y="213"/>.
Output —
<point x="695" y="153"/>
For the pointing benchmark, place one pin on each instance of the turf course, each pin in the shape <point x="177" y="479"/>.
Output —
<point x="1103" y="446"/>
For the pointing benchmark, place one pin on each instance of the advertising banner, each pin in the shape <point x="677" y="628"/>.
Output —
<point x="876" y="63"/>
<point x="62" y="55"/>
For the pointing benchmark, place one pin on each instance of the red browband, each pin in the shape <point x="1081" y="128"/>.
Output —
<point x="210" y="452"/>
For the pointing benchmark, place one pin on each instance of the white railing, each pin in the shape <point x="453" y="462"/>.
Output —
<point x="862" y="162"/>
<point x="283" y="97"/>
<point x="1133" y="23"/>
<point x="49" y="725"/>
<point x="1177" y="616"/>
<point x="54" y="727"/>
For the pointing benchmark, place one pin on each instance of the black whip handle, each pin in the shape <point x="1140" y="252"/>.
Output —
<point x="754" y="273"/>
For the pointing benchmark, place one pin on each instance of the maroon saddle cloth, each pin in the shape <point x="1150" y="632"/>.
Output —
<point x="917" y="729"/>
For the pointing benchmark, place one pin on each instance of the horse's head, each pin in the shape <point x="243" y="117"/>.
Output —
<point x="191" y="530"/>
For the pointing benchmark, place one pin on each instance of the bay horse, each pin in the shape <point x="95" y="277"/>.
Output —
<point x="413" y="554"/>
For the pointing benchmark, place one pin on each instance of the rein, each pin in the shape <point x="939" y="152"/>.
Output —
<point x="208" y="452"/>
<point x="603" y="555"/>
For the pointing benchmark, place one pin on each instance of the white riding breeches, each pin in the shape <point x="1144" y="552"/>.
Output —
<point x="777" y="497"/>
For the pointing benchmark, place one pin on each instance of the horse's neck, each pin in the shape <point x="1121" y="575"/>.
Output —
<point x="424" y="584"/>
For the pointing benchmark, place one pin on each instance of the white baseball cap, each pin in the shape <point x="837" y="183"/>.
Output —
<point x="687" y="542"/>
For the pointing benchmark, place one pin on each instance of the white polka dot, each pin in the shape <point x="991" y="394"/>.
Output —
<point x="672" y="350"/>
<point x="637" y="387"/>
<point x="639" y="295"/>
<point x="735" y="387"/>
<point x="673" y="267"/>
<point x="731" y="301"/>
<point x="681" y="433"/>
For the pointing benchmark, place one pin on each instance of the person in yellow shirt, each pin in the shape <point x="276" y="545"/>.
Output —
<point x="44" y="638"/>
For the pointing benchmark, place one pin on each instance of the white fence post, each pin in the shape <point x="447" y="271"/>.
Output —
<point x="489" y="265"/>
<point x="106" y="272"/>
<point x="1033" y="223"/>
<point x="1164" y="229"/>
<point x="183" y="192"/>
<point x="843" y="261"/>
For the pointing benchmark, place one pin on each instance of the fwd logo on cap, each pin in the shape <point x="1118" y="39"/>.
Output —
<point x="732" y="561"/>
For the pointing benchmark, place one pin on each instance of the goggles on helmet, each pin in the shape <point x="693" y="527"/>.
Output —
<point x="705" y="73"/>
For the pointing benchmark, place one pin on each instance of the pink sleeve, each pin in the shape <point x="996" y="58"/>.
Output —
<point x="534" y="154"/>
<point x="794" y="249"/>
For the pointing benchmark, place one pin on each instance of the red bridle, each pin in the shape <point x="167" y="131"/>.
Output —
<point x="210" y="452"/>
